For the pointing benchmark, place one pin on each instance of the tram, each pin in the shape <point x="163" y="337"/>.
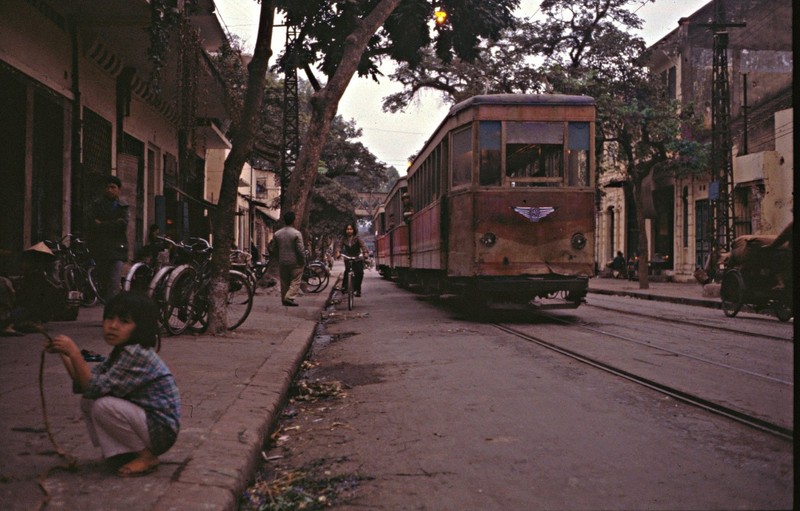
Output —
<point x="499" y="205"/>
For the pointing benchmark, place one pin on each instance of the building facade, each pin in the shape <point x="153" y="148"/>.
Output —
<point x="79" y="104"/>
<point x="760" y="70"/>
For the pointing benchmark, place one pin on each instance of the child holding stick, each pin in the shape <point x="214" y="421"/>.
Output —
<point x="130" y="401"/>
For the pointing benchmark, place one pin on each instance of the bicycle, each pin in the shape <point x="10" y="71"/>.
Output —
<point x="350" y="276"/>
<point x="188" y="292"/>
<point x="76" y="268"/>
<point x="315" y="277"/>
<point x="141" y="273"/>
<point x="254" y="270"/>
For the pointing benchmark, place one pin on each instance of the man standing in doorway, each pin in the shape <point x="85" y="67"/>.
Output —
<point x="109" y="237"/>
<point x="286" y="247"/>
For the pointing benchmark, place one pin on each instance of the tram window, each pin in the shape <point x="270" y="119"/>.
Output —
<point x="445" y="166"/>
<point x="462" y="157"/>
<point x="534" y="153"/>
<point x="578" y="154"/>
<point x="490" y="144"/>
<point x="437" y="170"/>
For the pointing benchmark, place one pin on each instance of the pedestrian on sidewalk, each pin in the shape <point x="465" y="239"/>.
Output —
<point x="131" y="402"/>
<point x="109" y="237"/>
<point x="287" y="248"/>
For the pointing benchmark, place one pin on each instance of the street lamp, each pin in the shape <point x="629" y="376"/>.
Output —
<point x="440" y="15"/>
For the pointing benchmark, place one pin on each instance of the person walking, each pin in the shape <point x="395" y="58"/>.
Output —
<point x="352" y="245"/>
<point x="286" y="247"/>
<point x="109" y="237"/>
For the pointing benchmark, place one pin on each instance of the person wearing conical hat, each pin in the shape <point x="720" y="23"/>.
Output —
<point x="38" y="293"/>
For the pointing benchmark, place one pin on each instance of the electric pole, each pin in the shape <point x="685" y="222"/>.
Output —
<point x="291" y="115"/>
<point x="721" y="189"/>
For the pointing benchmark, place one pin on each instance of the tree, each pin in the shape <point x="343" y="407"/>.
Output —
<point x="345" y="37"/>
<point x="244" y="136"/>
<point x="581" y="48"/>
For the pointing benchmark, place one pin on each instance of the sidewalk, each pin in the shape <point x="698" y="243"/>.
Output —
<point x="689" y="293"/>
<point x="231" y="388"/>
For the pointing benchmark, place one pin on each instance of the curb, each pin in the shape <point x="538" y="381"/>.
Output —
<point x="226" y="461"/>
<point x="697" y="302"/>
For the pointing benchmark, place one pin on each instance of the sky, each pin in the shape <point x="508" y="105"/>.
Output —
<point x="392" y="138"/>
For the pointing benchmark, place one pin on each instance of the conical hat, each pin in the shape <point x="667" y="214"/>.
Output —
<point x="41" y="247"/>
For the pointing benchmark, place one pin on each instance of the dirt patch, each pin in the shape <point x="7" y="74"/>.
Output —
<point x="302" y="468"/>
<point x="349" y="374"/>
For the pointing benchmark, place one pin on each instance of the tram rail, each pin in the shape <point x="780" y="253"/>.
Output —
<point x="700" y="324"/>
<point x="693" y="399"/>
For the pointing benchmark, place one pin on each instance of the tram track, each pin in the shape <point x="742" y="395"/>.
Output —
<point x="684" y="354"/>
<point x="738" y="416"/>
<point x="672" y="319"/>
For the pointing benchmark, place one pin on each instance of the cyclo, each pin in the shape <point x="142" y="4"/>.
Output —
<point x="757" y="274"/>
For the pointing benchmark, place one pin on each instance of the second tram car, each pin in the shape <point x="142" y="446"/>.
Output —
<point x="499" y="204"/>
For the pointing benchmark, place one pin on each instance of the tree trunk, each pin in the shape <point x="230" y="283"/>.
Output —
<point x="324" y="104"/>
<point x="243" y="139"/>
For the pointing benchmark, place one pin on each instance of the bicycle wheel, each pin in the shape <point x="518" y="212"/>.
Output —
<point x="138" y="278"/>
<point x="180" y="300"/>
<point x="88" y="288"/>
<point x="732" y="293"/>
<point x="76" y="279"/>
<point x="351" y="293"/>
<point x="323" y="274"/>
<point x="240" y="299"/>
<point x="312" y="281"/>
<point x="238" y="303"/>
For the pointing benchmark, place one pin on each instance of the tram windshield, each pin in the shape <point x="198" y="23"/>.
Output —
<point x="536" y="153"/>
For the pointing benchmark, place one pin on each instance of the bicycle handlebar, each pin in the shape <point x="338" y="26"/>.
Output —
<point x="351" y="258"/>
<point x="164" y="238"/>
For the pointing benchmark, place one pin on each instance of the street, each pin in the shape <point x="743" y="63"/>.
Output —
<point x="440" y="412"/>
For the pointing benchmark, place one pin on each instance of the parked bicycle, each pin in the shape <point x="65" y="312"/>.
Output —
<point x="188" y="294"/>
<point x="142" y="272"/>
<point x="254" y="270"/>
<point x="75" y="268"/>
<point x="316" y="276"/>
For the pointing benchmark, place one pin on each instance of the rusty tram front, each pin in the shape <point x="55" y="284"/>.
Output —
<point x="499" y="204"/>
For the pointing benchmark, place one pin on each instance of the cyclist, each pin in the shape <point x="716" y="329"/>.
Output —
<point x="352" y="245"/>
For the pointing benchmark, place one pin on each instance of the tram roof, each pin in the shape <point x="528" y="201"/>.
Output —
<point x="521" y="99"/>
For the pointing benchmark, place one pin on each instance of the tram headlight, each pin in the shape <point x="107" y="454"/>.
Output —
<point x="488" y="239"/>
<point x="578" y="241"/>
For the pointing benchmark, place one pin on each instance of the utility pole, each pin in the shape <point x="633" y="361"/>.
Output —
<point x="721" y="189"/>
<point x="291" y="115"/>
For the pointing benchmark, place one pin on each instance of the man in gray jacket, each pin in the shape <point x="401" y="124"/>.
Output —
<point x="286" y="247"/>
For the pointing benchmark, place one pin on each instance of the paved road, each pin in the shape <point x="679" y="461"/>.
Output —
<point x="441" y="412"/>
